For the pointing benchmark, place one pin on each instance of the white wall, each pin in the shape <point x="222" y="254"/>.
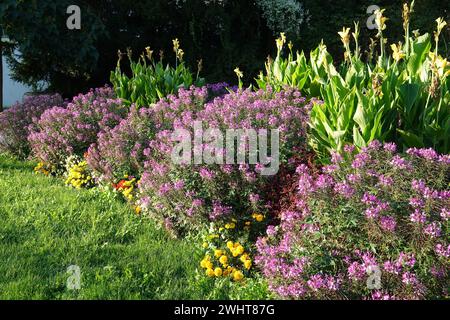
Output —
<point x="12" y="91"/>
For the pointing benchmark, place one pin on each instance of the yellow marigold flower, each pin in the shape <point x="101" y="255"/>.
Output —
<point x="218" y="253"/>
<point x="223" y="260"/>
<point x="218" y="272"/>
<point x="127" y="193"/>
<point x="203" y="263"/>
<point x="128" y="183"/>
<point x="244" y="257"/>
<point x="258" y="217"/>
<point x="231" y="225"/>
<point x="210" y="272"/>
<point x="247" y="264"/>
<point x="240" y="250"/>
<point x="209" y="265"/>
<point x="238" y="275"/>
<point x="230" y="245"/>
<point x="234" y="253"/>
<point x="138" y="210"/>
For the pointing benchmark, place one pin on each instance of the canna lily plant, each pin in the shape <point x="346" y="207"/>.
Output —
<point x="151" y="80"/>
<point x="401" y="96"/>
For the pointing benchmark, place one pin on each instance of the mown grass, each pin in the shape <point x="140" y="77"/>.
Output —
<point x="45" y="227"/>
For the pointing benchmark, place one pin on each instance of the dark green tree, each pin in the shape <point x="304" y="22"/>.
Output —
<point x="224" y="33"/>
<point x="44" y="49"/>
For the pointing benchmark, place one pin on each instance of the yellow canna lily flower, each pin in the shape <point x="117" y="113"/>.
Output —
<point x="397" y="52"/>
<point x="290" y="45"/>
<point x="441" y="23"/>
<point x="281" y="41"/>
<point x="238" y="73"/>
<point x="176" y="45"/>
<point x="380" y="20"/>
<point x="345" y="35"/>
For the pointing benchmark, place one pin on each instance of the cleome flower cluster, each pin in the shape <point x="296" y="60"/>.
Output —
<point x="69" y="131"/>
<point x="372" y="225"/>
<point x="15" y="122"/>
<point x="190" y="195"/>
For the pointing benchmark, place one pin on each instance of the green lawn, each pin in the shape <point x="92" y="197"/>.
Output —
<point x="45" y="227"/>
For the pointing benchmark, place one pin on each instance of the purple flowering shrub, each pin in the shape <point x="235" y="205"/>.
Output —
<point x="14" y="122"/>
<point x="187" y="196"/>
<point x="120" y="150"/>
<point x="375" y="213"/>
<point x="65" y="131"/>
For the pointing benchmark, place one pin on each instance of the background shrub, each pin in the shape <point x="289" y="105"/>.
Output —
<point x="374" y="209"/>
<point x="14" y="122"/>
<point x="62" y="132"/>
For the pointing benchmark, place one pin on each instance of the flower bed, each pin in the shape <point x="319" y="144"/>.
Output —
<point x="370" y="214"/>
<point x="373" y="224"/>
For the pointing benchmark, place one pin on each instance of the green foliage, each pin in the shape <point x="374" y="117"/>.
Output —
<point x="151" y="81"/>
<point x="326" y="16"/>
<point x="403" y="98"/>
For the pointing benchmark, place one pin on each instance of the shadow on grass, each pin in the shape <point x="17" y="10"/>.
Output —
<point x="10" y="163"/>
